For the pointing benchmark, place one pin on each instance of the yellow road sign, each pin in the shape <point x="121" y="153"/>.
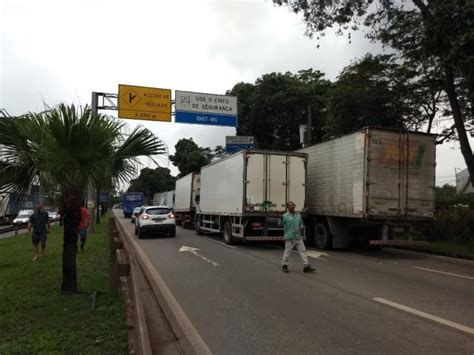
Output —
<point x="144" y="103"/>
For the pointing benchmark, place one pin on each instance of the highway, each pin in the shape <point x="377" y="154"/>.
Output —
<point x="389" y="301"/>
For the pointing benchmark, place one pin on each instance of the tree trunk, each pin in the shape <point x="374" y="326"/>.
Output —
<point x="69" y="283"/>
<point x="70" y="210"/>
<point x="458" y="121"/>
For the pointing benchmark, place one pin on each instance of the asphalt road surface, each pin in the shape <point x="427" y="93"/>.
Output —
<point x="386" y="302"/>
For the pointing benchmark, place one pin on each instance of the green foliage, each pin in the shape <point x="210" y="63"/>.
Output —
<point x="364" y="96"/>
<point x="189" y="157"/>
<point x="272" y="109"/>
<point x="68" y="147"/>
<point x="152" y="181"/>
<point x="35" y="318"/>
<point x="452" y="224"/>
<point x="432" y="38"/>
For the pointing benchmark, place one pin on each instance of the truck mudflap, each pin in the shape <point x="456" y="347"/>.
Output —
<point x="397" y="243"/>
<point x="267" y="238"/>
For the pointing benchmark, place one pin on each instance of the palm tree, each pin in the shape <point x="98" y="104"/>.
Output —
<point x="69" y="147"/>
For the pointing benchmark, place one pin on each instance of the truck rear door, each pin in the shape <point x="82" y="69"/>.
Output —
<point x="276" y="182"/>
<point x="296" y="181"/>
<point x="400" y="174"/>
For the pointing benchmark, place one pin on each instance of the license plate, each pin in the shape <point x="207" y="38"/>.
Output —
<point x="159" y="219"/>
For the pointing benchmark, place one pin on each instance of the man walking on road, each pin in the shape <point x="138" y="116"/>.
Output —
<point x="39" y="221"/>
<point x="292" y="227"/>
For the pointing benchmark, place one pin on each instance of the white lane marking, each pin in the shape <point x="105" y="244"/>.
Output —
<point x="194" y="251"/>
<point x="425" y="315"/>
<point x="444" y="272"/>
<point x="220" y="243"/>
<point x="313" y="254"/>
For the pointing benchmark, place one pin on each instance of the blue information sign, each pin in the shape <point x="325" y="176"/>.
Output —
<point x="205" y="118"/>
<point x="103" y="197"/>
<point x="232" y="148"/>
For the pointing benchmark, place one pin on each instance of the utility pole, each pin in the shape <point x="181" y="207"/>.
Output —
<point x="91" y="203"/>
<point x="309" y="127"/>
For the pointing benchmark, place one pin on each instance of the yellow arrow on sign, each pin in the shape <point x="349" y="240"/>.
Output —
<point x="144" y="103"/>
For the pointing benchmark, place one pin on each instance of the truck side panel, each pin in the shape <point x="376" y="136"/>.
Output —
<point x="335" y="177"/>
<point x="183" y="193"/>
<point x="222" y="186"/>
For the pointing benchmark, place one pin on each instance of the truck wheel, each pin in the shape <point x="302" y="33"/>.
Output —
<point x="228" y="233"/>
<point x="322" y="236"/>
<point x="197" y="226"/>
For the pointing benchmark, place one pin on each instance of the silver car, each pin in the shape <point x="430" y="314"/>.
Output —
<point x="155" y="220"/>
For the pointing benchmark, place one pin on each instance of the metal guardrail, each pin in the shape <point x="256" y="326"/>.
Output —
<point x="147" y="298"/>
<point x="10" y="229"/>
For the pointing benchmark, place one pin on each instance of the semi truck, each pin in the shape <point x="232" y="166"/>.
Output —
<point x="363" y="184"/>
<point x="131" y="200"/>
<point x="244" y="195"/>
<point x="186" y="199"/>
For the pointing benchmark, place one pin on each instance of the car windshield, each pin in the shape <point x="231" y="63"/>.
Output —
<point x="158" y="210"/>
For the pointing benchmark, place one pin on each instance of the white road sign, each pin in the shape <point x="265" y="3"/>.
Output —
<point x="210" y="109"/>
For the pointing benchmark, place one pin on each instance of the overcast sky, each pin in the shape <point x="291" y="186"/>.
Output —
<point x="60" y="51"/>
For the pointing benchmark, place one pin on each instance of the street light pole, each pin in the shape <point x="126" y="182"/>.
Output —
<point x="91" y="189"/>
<point x="309" y="127"/>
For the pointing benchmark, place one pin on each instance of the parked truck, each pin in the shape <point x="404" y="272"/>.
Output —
<point x="244" y="195"/>
<point x="164" y="199"/>
<point x="186" y="199"/>
<point x="362" y="185"/>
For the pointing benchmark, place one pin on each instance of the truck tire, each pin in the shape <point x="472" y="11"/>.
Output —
<point x="322" y="236"/>
<point x="227" y="232"/>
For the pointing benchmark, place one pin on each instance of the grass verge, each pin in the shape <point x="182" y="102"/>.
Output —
<point x="456" y="250"/>
<point x="35" y="318"/>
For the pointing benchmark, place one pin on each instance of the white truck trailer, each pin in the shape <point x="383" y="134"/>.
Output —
<point x="363" y="184"/>
<point x="187" y="188"/>
<point x="164" y="199"/>
<point x="244" y="195"/>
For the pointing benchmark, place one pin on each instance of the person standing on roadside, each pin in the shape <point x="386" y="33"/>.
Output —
<point x="39" y="222"/>
<point x="292" y="232"/>
<point x="83" y="225"/>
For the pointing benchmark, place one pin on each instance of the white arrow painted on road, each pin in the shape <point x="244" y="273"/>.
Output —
<point x="316" y="254"/>
<point x="194" y="251"/>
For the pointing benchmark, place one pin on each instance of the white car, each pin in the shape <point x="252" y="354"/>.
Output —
<point x="23" y="217"/>
<point x="155" y="220"/>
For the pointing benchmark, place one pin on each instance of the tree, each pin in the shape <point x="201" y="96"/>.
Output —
<point x="363" y="96"/>
<point x="151" y="181"/>
<point x="272" y="109"/>
<point x="438" y="32"/>
<point x="189" y="157"/>
<point x="69" y="147"/>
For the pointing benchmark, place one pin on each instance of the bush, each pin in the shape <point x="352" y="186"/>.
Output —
<point x="451" y="224"/>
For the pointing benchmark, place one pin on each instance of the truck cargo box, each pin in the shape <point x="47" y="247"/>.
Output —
<point x="185" y="193"/>
<point x="253" y="182"/>
<point x="373" y="173"/>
